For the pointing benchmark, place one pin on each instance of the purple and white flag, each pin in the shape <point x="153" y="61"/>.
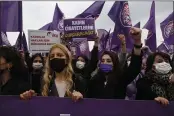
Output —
<point x="57" y="22"/>
<point x="120" y="15"/>
<point x="92" y="11"/>
<point x="163" y="47"/>
<point x="21" y="42"/>
<point x="167" y="28"/>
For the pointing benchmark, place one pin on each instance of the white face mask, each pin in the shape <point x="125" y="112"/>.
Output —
<point x="37" y="65"/>
<point x="80" y="64"/>
<point x="162" y="68"/>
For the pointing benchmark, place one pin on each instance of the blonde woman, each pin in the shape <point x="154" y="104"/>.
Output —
<point x="58" y="76"/>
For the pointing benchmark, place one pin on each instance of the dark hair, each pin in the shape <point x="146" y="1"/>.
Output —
<point x="11" y="55"/>
<point x="84" y="57"/>
<point x="151" y="59"/>
<point x="32" y="59"/>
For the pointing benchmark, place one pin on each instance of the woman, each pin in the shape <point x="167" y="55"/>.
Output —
<point x="158" y="81"/>
<point x="36" y="72"/>
<point x="11" y="72"/>
<point x="110" y="82"/>
<point x="58" y="79"/>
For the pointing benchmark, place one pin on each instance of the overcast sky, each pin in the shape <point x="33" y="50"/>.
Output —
<point x="36" y="14"/>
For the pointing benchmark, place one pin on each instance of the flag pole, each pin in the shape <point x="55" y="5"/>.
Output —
<point x="20" y="22"/>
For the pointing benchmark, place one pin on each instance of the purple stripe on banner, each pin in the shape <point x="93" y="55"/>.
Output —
<point x="53" y="106"/>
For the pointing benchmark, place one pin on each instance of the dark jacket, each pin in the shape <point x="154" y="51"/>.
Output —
<point x="78" y="85"/>
<point x="14" y="87"/>
<point x="82" y="77"/>
<point x="35" y="81"/>
<point x="116" y="86"/>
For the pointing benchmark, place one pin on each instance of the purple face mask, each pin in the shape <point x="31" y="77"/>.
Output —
<point x="105" y="67"/>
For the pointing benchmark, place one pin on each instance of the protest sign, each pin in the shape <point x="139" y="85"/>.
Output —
<point x="79" y="28"/>
<point x="54" y="106"/>
<point x="41" y="41"/>
<point x="82" y="47"/>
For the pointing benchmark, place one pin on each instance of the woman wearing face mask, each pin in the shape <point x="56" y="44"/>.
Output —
<point x="158" y="82"/>
<point x="11" y="70"/>
<point x="58" y="78"/>
<point x="110" y="82"/>
<point x="36" y="72"/>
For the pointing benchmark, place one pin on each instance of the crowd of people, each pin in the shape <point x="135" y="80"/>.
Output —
<point x="139" y="75"/>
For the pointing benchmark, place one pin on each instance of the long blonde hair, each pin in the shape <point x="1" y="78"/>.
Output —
<point x="67" y="72"/>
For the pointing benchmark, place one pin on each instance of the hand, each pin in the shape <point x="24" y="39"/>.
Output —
<point x="122" y="38"/>
<point x="136" y="35"/>
<point x="27" y="95"/>
<point x="76" y="96"/>
<point x="162" y="100"/>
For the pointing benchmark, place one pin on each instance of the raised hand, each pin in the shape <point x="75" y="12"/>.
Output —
<point x="136" y="35"/>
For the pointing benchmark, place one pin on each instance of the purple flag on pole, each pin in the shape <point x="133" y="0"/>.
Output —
<point x="57" y="22"/>
<point x="103" y="38"/>
<point x="11" y="16"/>
<point x="151" y="27"/>
<point x="167" y="28"/>
<point x="120" y="15"/>
<point x="92" y="11"/>
<point x="4" y="40"/>
<point x="163" y="47"/>
<point x="137" y="25"/>
<point x="21" y="42"/>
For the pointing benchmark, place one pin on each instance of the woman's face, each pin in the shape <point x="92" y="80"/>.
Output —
<point x="81" y="59"/>
<point x="37" y="60"/>
<point x="106" y="59"/>
<point x="57" y="53"/>
<point x="160" y="59"/>
<point x="4" y="64"/>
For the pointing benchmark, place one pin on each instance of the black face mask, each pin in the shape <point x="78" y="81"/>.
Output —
<point x="57" y="64"/>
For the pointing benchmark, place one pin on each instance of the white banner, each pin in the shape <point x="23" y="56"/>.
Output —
<point x="41" y="41"/>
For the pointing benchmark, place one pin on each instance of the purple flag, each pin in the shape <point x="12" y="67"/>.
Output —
<point x="151" y="27"/>
<point x="137" y="25"/>
<point x="57" y="22"/>
<point x="103" y="38"/>
<point x="92" y="11"/>
<point x="46" y="27"/>
<point x="4" y="40"/>
<point x="167" y="28"/>
<point x="120" y="15"/>
<point x="11" y="16"/>
<point x="21" y="42"/>
<point x="163" y="47"/>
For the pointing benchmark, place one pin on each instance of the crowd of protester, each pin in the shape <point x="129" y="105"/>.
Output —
<point x="139" y="75"/>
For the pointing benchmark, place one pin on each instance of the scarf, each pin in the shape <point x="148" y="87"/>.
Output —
<point x="160" y="84"/>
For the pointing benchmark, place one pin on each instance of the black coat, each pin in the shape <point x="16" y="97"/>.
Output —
<point x="116" y="88"/>
<point x="14" y="87"/>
